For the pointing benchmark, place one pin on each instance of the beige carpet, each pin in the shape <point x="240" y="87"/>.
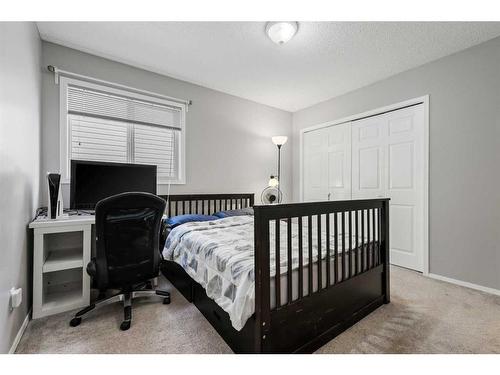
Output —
<point x="425" y="316"/>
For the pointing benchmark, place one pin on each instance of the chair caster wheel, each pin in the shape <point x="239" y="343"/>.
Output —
<point x="125" y="325"/>
<point x="166" y="301"/>
<point x="75" y="322"/>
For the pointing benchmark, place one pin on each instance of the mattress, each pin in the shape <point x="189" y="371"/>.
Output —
<point x="219" y="255"/>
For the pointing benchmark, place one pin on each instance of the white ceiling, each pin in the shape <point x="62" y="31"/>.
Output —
<point x="324" y="59"/>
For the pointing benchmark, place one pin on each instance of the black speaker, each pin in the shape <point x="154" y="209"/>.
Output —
<point x="55" y="205"/>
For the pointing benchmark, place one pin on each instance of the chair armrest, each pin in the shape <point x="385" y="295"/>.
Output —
<point x="164" y="231"/>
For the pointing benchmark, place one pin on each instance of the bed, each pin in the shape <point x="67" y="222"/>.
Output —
<point x="332" y="259"/>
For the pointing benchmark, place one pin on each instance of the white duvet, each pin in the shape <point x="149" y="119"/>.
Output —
<point x="219" y="255"/>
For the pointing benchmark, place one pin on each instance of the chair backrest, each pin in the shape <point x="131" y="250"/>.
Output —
<point x="127" y="244"/>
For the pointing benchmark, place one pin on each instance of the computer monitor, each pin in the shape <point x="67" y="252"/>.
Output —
<point x="92" y="181"/>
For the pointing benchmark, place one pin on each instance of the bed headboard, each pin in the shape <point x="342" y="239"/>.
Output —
<point x="206" y="204"/>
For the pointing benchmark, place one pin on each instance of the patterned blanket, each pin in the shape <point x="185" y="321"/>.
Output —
<point x="219" y="255"/>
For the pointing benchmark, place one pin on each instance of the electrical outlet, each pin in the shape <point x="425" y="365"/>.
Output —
<point x="16" y="297"/>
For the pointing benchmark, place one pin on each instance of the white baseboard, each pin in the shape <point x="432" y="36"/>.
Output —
<point x="20" y="333"/>
<point x="465" y="284"/>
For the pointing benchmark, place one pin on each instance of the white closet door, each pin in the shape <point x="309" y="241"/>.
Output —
<point x="316" y="165"/>
<point x="368" y="153"/>
<point x="388" y="161"/>
<point x="405" y="185"/>
<point x="339" y="162"/>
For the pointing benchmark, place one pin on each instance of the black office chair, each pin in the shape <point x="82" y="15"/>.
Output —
<point x="127" y="251"/>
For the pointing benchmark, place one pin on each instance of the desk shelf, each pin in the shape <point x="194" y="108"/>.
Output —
<point x="63" y="260"/>
<point x="62" y="290"/>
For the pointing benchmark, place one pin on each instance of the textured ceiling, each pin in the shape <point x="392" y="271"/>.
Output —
<point x="324" y="59"/>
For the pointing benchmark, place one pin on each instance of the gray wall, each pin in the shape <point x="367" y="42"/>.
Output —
<point x="228" y="145"/>
<point x="20" y="114"/>
<point x="464" y="179"/>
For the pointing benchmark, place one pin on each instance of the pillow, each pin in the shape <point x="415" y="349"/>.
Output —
<point x="175" y="221"/>
<point x="228" y="213"/>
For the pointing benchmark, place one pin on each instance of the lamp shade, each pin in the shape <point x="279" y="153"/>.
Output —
<point x="279" y="140"/>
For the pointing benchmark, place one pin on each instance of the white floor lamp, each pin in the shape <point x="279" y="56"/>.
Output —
<point x="279" y="141"/>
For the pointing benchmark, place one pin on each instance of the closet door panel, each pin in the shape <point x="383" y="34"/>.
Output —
<point x="315" y="165"/>
<point x="401" y="162"/>
<point x="370" y="168"/>
<point x="339" y="162"/>
<point x="368" y="154"/>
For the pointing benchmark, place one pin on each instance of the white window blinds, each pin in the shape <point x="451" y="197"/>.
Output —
<point x="114" y="128"/>
<point x="82" y="101"/>
<point x="156" y="145"/>
<point x="98" y="140"/>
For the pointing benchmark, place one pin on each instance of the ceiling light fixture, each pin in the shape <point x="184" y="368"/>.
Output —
<point x="281" y="32"/>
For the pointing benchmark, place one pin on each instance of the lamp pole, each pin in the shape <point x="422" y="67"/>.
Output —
<point x="279" y="162"/>
<point x="279" y="173"/>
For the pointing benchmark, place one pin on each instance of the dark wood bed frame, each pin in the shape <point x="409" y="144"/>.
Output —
<point x="358" y="284"/>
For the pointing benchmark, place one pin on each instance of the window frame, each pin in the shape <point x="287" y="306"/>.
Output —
<point x="64" y="132"/>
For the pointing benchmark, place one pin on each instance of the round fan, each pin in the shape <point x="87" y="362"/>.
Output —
<point x="271" y="195"/>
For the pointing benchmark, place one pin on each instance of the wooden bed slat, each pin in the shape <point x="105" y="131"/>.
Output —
<point x="320" y="278"/>
<point x="343" y="246"/>
<point x="310" y="256"/>
<point x="327" y="229"/>
<point x="356" y="244"/>
<point x="349" y="273"/>
<point x="289" y="260"/>
<point x="301" y="261"/>
<point x="363" y="249"/>
<point x="277" y="278"/>
<point x="374" y="246"/>
<point x="336" y="247"/>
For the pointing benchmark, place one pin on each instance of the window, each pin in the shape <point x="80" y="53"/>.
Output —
<point x="100" y="123"/>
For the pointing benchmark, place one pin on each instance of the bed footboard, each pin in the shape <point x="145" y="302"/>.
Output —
<point x="340" y="276"/>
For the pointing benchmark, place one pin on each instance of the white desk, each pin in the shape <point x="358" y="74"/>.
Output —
<point x="66" y="221"/>
<point x="62" y="250"/>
